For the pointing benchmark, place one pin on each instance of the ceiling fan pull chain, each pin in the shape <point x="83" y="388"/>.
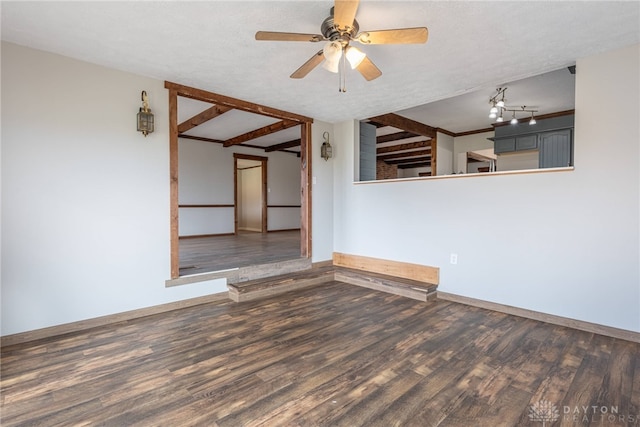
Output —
<point x="343" y="75"/>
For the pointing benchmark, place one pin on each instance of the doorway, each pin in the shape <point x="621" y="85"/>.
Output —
<point x="221" y="104"/>
<point x="250" y="183"/>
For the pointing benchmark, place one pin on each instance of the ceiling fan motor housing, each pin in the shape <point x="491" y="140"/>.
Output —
<point x="333" y="33"/>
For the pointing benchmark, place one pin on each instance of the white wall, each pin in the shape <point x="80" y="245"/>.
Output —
<point x="444" y="164"/>
<point x="283" y="179"/>
<point x="562" y="243"/>
<point x="322" y="189"/>
<point x="85" y="197"/>
<point x="206" y="177"/>
<point x="474" y="142"/>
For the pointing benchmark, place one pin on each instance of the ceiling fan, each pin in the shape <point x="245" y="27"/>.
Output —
<point x="338" y="30"/>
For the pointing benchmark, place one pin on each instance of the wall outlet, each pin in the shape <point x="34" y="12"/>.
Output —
<point x="453" y="259"/>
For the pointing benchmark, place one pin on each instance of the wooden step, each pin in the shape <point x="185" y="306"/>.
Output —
<point x="414" y="289"/>
<point x="257" y="288"/>
<point x="266" y="287"/>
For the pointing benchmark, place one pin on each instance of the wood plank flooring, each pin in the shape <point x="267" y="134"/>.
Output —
<point x="206" y="254"/>
<point x="330" y="355"/>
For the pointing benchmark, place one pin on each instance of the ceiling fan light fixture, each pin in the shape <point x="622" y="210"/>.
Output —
<point x="333" y="66"/>
<point x="355" y="56"/>
<point x="332" y="51"/>
<point x="492" y="115"/>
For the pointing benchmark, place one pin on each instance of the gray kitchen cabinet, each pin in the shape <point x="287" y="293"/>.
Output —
<point x="515" y="143"/>
<point x="526" y="142"/>
<point x="555" y="149"/>
<point x="504" y="145"/>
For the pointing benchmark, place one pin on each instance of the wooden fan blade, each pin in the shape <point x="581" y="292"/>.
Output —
<point x="288" y="37"/>
<point x="344" y="13"/>
<point x="369" y="70"/>
<point x="397" y="36"/>
<point x="308" y="66"/>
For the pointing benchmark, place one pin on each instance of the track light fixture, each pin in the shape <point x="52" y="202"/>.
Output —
<point x="498" y="108"/>
<point x="498" y="100"/>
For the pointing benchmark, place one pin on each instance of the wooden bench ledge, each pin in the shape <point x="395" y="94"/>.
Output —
<point x="409" y="288"/>
<point x="261" y="288"/>
<point x="409" y="280"/>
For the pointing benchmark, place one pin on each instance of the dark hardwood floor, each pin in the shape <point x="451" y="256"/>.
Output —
<point x="330" y="355"/>
<point x="206" y="254"/>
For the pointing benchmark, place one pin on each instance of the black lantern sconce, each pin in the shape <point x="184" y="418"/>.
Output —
<point x="326" y="151"/>
<point x="145" y="116"/>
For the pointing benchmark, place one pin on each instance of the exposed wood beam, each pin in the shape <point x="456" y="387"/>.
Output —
<point x="376" y="124"/>
<point x="257" y="133"/>
<point x="218" y="141"/>
<point x="395" y="137"/>
<point x="238" y="104"/>
<point x="404" y="123"/>
<point x="415" y="165"/>
<point x="202" y="117"/>
<point x="201" y="138"/>
<point x="288" y="144"/>
<point x="409" y="160"/>
<point x="414" y="153"/>
<point x="402" y="147"/>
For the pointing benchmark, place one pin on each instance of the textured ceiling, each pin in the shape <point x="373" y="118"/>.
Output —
<point x="472" y="46"/>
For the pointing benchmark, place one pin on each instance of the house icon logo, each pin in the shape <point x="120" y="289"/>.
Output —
<point x="543" y="411"/>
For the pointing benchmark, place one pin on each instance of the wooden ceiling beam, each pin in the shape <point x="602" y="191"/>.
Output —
<point x="414" y="165"/>
<point x="283" y="146"/>
<point x="238" y="104"/>
<point x="200" y="118"/>
<point x="409" y="160"/>
<point x="201" y="138"/>
<point x="257" y="133"/>
<point x="403" y="147"/>
<point x="395" y="137"/>
<point x="414" y="153"/>
<point x="399" y="122"/>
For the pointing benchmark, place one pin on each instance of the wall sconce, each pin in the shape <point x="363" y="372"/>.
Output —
<point x="326" y="151"/>
<point x="145" y="116"/>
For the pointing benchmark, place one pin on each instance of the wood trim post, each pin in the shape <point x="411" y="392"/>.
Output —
<point x="434" y="155"/>
<point x="265" y="195"/>
<point x="305" y="190"/>
<point x="235" y="195"/>
<point x="173" y="184"/>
